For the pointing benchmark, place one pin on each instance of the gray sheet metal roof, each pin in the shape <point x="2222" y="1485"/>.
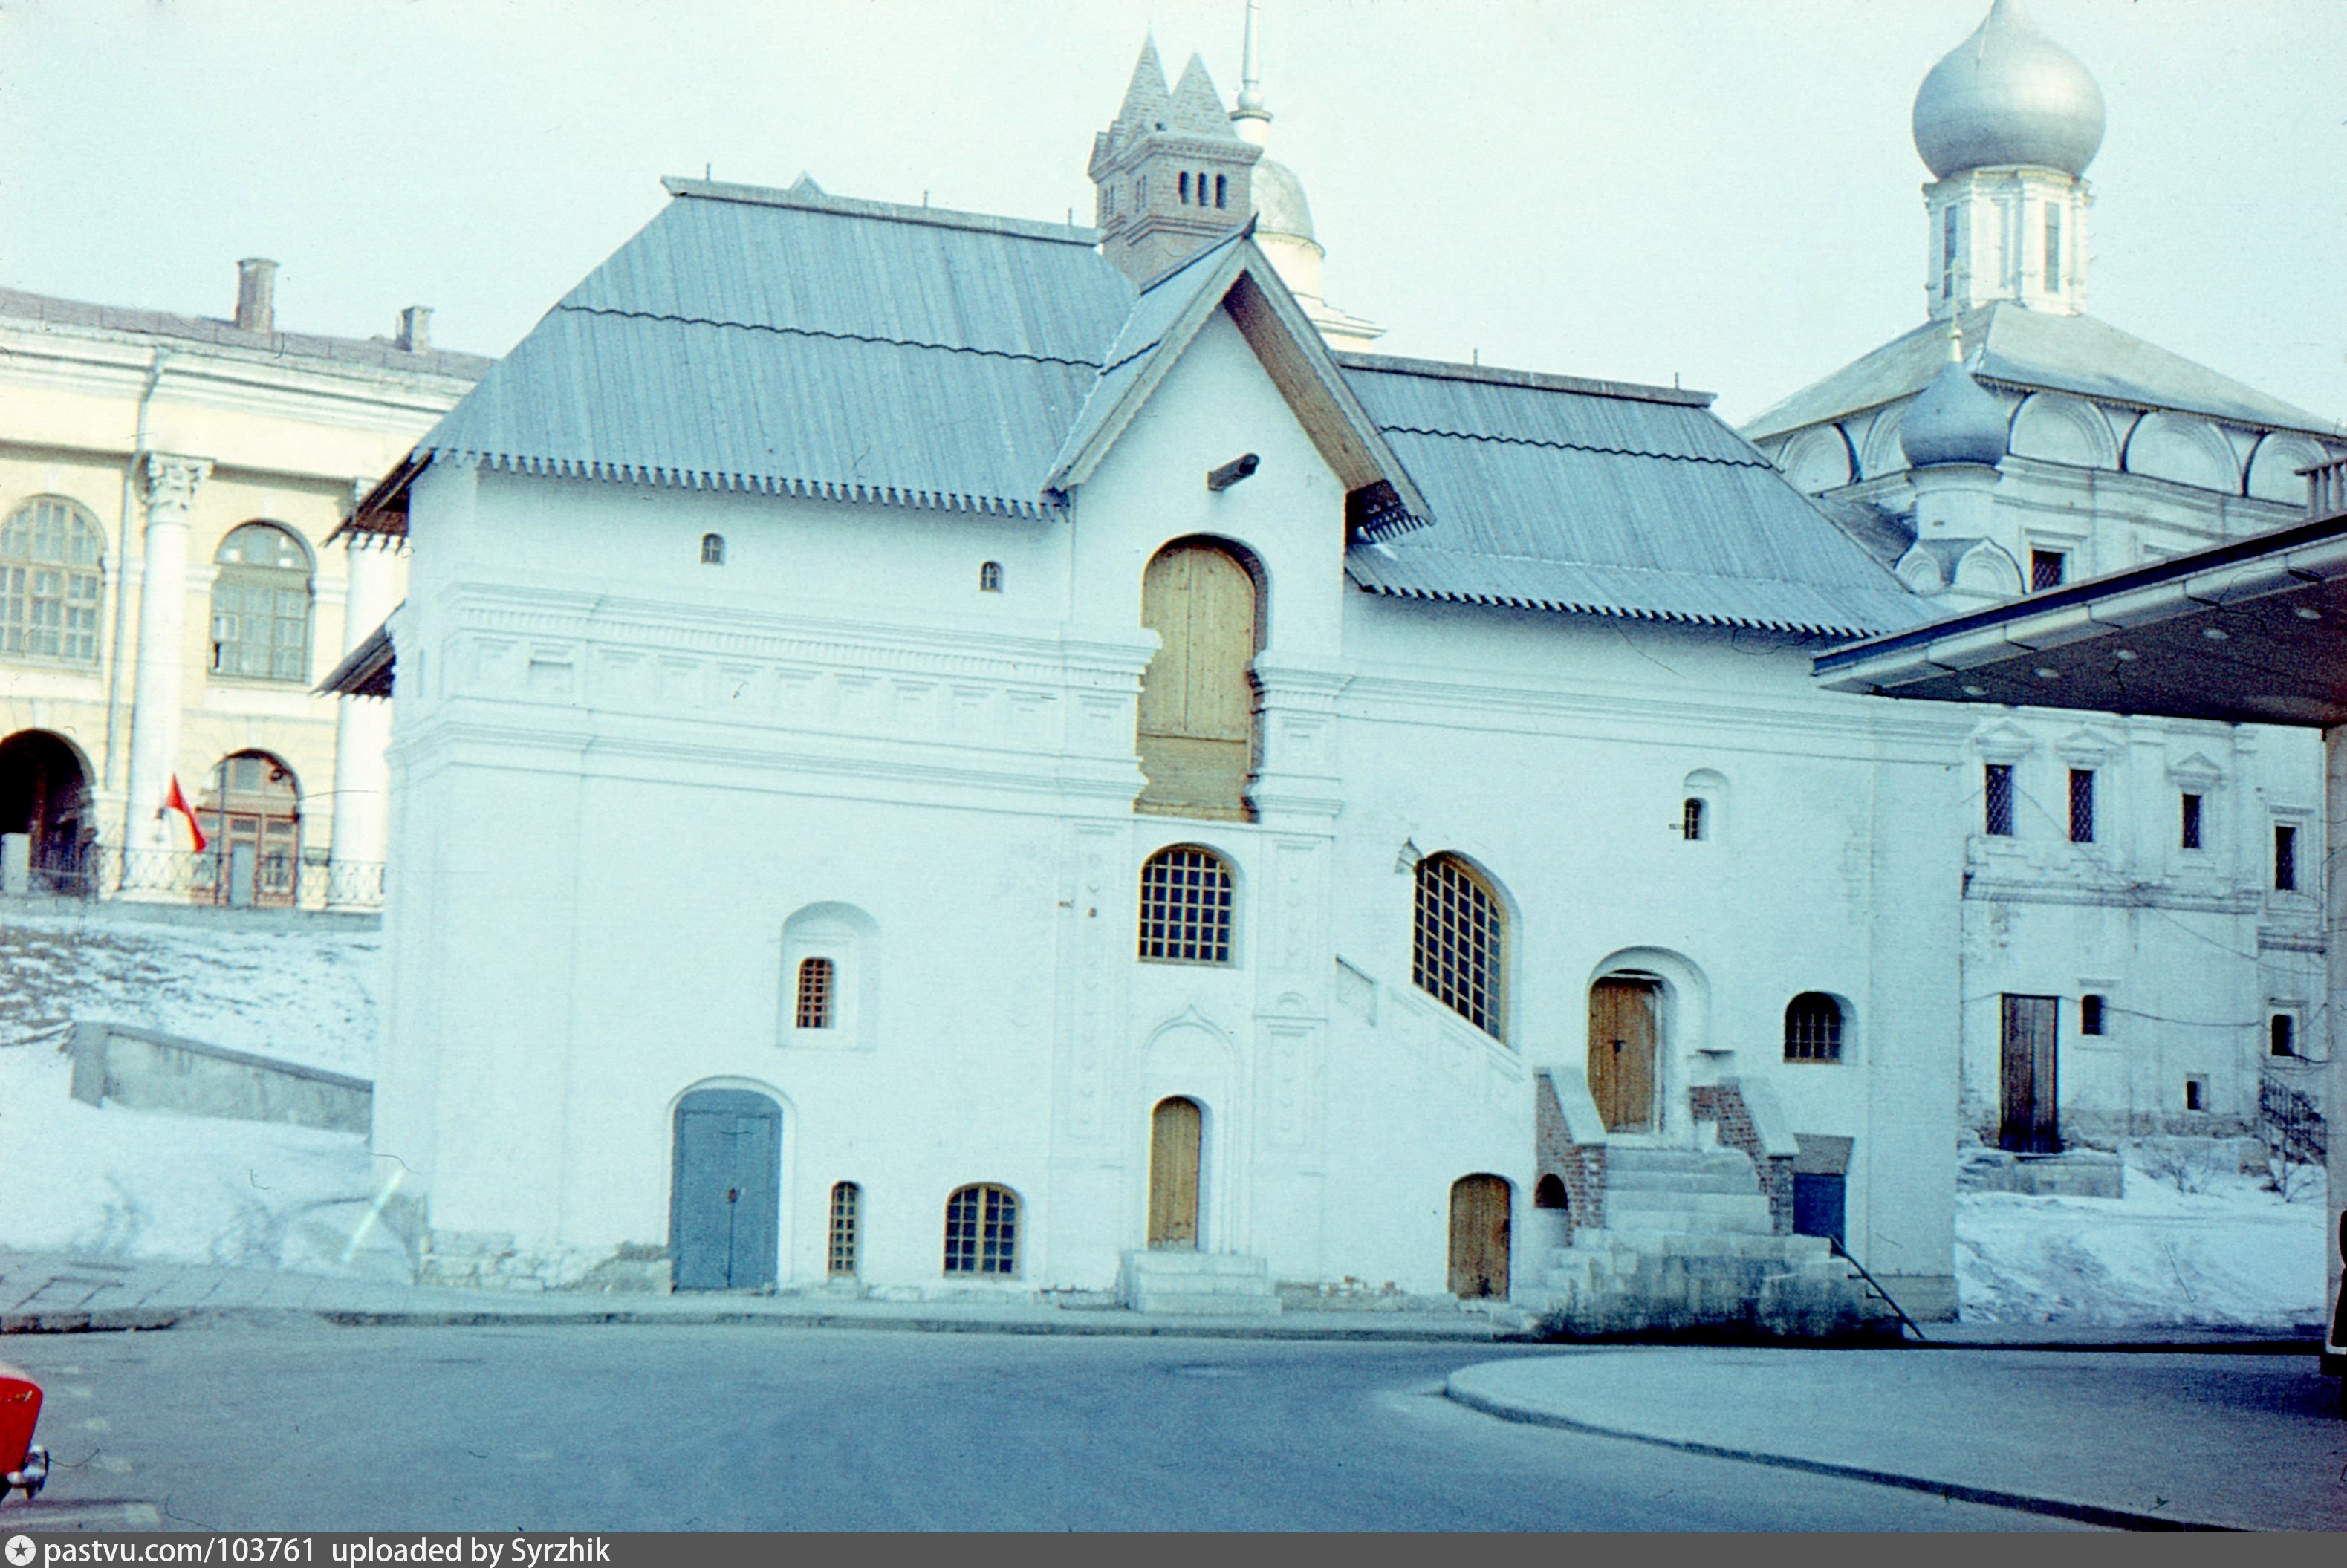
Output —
<point x="791" y="342"/>
<point x="1602" y="499"/>
<point x="320" y="351"/>
<point x="2031" y="350"/>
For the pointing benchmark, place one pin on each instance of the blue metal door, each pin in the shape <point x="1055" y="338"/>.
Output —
<point x="725" y="1191"/>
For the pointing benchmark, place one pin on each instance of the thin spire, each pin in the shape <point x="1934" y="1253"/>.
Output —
<point x="1251" y="119"/>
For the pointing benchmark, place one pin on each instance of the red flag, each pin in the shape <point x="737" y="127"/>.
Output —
<point x="179" y="803"/>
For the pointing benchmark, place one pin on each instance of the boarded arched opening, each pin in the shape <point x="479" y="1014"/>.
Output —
<point x="1196" y="730"/>
<point x="724" y="1195"/>
<point x="252" y="812"/>
<point x="1176" y="1136"/>
<point x="1624" y="1027"/>
<point x="44" y="795"/>
<point x="1479" y="1236"/>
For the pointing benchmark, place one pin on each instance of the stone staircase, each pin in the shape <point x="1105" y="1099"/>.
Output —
<point x="1198" y="1284"/>
<point x="1688" y="1243"/>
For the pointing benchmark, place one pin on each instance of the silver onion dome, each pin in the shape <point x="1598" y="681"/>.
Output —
<point x="1955" y="419"/>
<point x="2008" y="95"/>
<point x="1280" y="204"/>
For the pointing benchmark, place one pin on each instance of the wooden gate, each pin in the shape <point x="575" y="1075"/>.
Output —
<point x="1622" y="1037"/>
<point x="2031" y="1092"/>
<point x="1197" y="700"/>
<point x="724" y="1203"/>
<point x="1479" y="1236"/>
<point x="1175" y="1131"/>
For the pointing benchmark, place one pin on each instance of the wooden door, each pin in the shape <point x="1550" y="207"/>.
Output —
<point x="725" y="1200"/>
<point x="2029" y="1124"/>
<point x="1196" y="722"/>
<point x="1622" y="1038"/>
<point x="1479" y="1236"/>
<point x="1175" y="1132"/>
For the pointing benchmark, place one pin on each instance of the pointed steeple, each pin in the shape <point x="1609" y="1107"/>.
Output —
<point x="1147" y="107"/>
<point x="1170" y="174"/>
<point x="1197" y="107"/>
<point x="1251" y="119"/>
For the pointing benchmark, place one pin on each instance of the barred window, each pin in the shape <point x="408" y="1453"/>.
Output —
<point x="847" y="1210"/>
<point x="261" y="606"/>
<point x="1813" y="1028"/>
<point x="1691" y="819"/>
<point x="1457" y="955"/>
<point x="983" y="1231"/>
<point x="2047" y="568"/>
<point x="2081" y="806"/>
<point x="1185" y="907"/>
<point x="1997" y="797"/>
<point x="815" y="993"/>
<point x="49" y="582"/>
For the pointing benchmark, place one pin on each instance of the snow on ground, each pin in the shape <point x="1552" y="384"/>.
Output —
<point x="296" y="992"/>
<point x="2234" y="1255"/>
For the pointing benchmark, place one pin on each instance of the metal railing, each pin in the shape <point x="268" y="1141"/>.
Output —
<point x="209" y="877"/>
<point x="2290" y="1121"/>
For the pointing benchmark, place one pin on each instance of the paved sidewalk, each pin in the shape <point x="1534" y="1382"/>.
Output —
<point x="56" y="1293"/>
<point x="2134" y="1439"/>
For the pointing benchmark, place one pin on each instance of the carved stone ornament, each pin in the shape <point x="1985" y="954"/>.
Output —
<point x="171" y="481"/>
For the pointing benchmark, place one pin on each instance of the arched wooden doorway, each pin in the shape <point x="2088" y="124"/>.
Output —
<point x="1197" y="725"/>
<point x="1624" y="1018"/>
<point x="1479" y="1236"/>
<point x="1176" y="1139"/>
<point x="252" y="812"/>
<point x="725" y="1192"/>
<point x="44" y="795"/>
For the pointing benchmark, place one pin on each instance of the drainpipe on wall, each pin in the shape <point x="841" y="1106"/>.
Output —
<point x="122" y="569"/>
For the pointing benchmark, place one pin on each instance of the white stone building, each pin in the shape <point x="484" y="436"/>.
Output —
<point x="2142" y="933"/>
<point x="925" y="760"/>
<point x="220" y="457"/>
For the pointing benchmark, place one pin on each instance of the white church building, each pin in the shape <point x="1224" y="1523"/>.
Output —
<point x="940" y="753"/>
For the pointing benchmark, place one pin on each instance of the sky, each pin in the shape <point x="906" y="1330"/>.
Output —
<point x="1719" y="192"/>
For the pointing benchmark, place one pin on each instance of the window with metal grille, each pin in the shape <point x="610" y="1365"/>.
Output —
<point x="989" y="577"/>
<point x="2285" y="858"/>
<point x="815" y="993"/>
<point x="1185" y="907"/>
<point x="2191" y="822"/>
<point x="2281" y="1031"/>
<point x="1813" y="1028"/>
<point x="847" y="1207"/>
<point x="712" y="549"/>
<point x="983" y="1231"/>
<point x="1691" y="826"/>
<point x="1456" y="958"/>
<point x="49" y="582"/>
<point x="2090" y="1014"/>
<point x="2081" y="806"/>
<point x="261" y="606"/>
<point x="2047" y="568"/>
<point x="1997" y="797"/>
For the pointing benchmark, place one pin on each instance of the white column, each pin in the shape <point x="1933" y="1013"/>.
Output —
<point x="361" y="731"/>
<point x="2334" y="1038"/>
<point x="157" y="695"/>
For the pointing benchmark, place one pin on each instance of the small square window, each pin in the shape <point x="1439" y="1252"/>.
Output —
<point x="2285" y="858"/>
<point x="2047" y="568"/>
<point x="2196" y="1094"/>
<point x="1997" y="788"/>
<point x="2191" y="822"/>
<point x="2090" y="1014"/>
<point x="2081" y="806"/>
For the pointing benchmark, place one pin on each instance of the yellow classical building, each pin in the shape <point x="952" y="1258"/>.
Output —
<point x="216" y="459"/>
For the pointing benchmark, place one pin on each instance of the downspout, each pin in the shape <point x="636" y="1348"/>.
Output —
<point x="122" y="569"/>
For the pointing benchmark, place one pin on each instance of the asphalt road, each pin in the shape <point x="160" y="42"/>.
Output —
<point x="771" y="1428"/>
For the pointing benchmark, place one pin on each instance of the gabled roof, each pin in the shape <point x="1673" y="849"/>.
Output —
<point x="2033" y="351"/>
<point x="1606" y="499"/>
<point x="1232" y="275"/>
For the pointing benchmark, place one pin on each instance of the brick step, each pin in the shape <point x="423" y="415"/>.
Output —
<point x="1717" y="1179"/>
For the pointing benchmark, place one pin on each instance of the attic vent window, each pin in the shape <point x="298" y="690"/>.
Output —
<point x="712" y="549"/>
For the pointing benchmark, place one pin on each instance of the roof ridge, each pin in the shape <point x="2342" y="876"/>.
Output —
<point x="1755" y="461"/>
<point x="817" y="200"/>
<point x="1092" y="365"/>
<point x="1535" y="380"/>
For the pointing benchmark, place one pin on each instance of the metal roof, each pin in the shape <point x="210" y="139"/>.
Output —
<point x="42" y="311"/>
<point x="2031" y="350"/>
<point x="1603" y="498"/>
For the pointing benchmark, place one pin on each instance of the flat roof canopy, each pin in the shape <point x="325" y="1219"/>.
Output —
<point x="2252" y="632"/>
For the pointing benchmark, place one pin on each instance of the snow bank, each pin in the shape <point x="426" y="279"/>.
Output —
<point x="2231" y="1256"/>
<point x="294" y="992"/>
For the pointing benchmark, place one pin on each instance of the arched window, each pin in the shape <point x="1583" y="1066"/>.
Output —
<point x="1222" y="190"/>
<point x="1185" y="907"/>
<point x="1196" y="717"/>
<point x="847" y="1221"/>
<point x="49" y="582"/>
<point x="1182" y="187"/>
<point x="1692" y="825"/>
<point x="712" y="549"/>
<point x="983" y="1231"/>
<point x="989" y="577"/>
<point x="816" y="992"/>
<point x="261" y="605"/>
<point x="1550" y="1193"/>
<point x="1455" y="956"/>
<point x="1813" y="1028"/>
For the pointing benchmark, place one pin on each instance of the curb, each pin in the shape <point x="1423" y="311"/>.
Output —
<point x="1957" y="1491"/>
